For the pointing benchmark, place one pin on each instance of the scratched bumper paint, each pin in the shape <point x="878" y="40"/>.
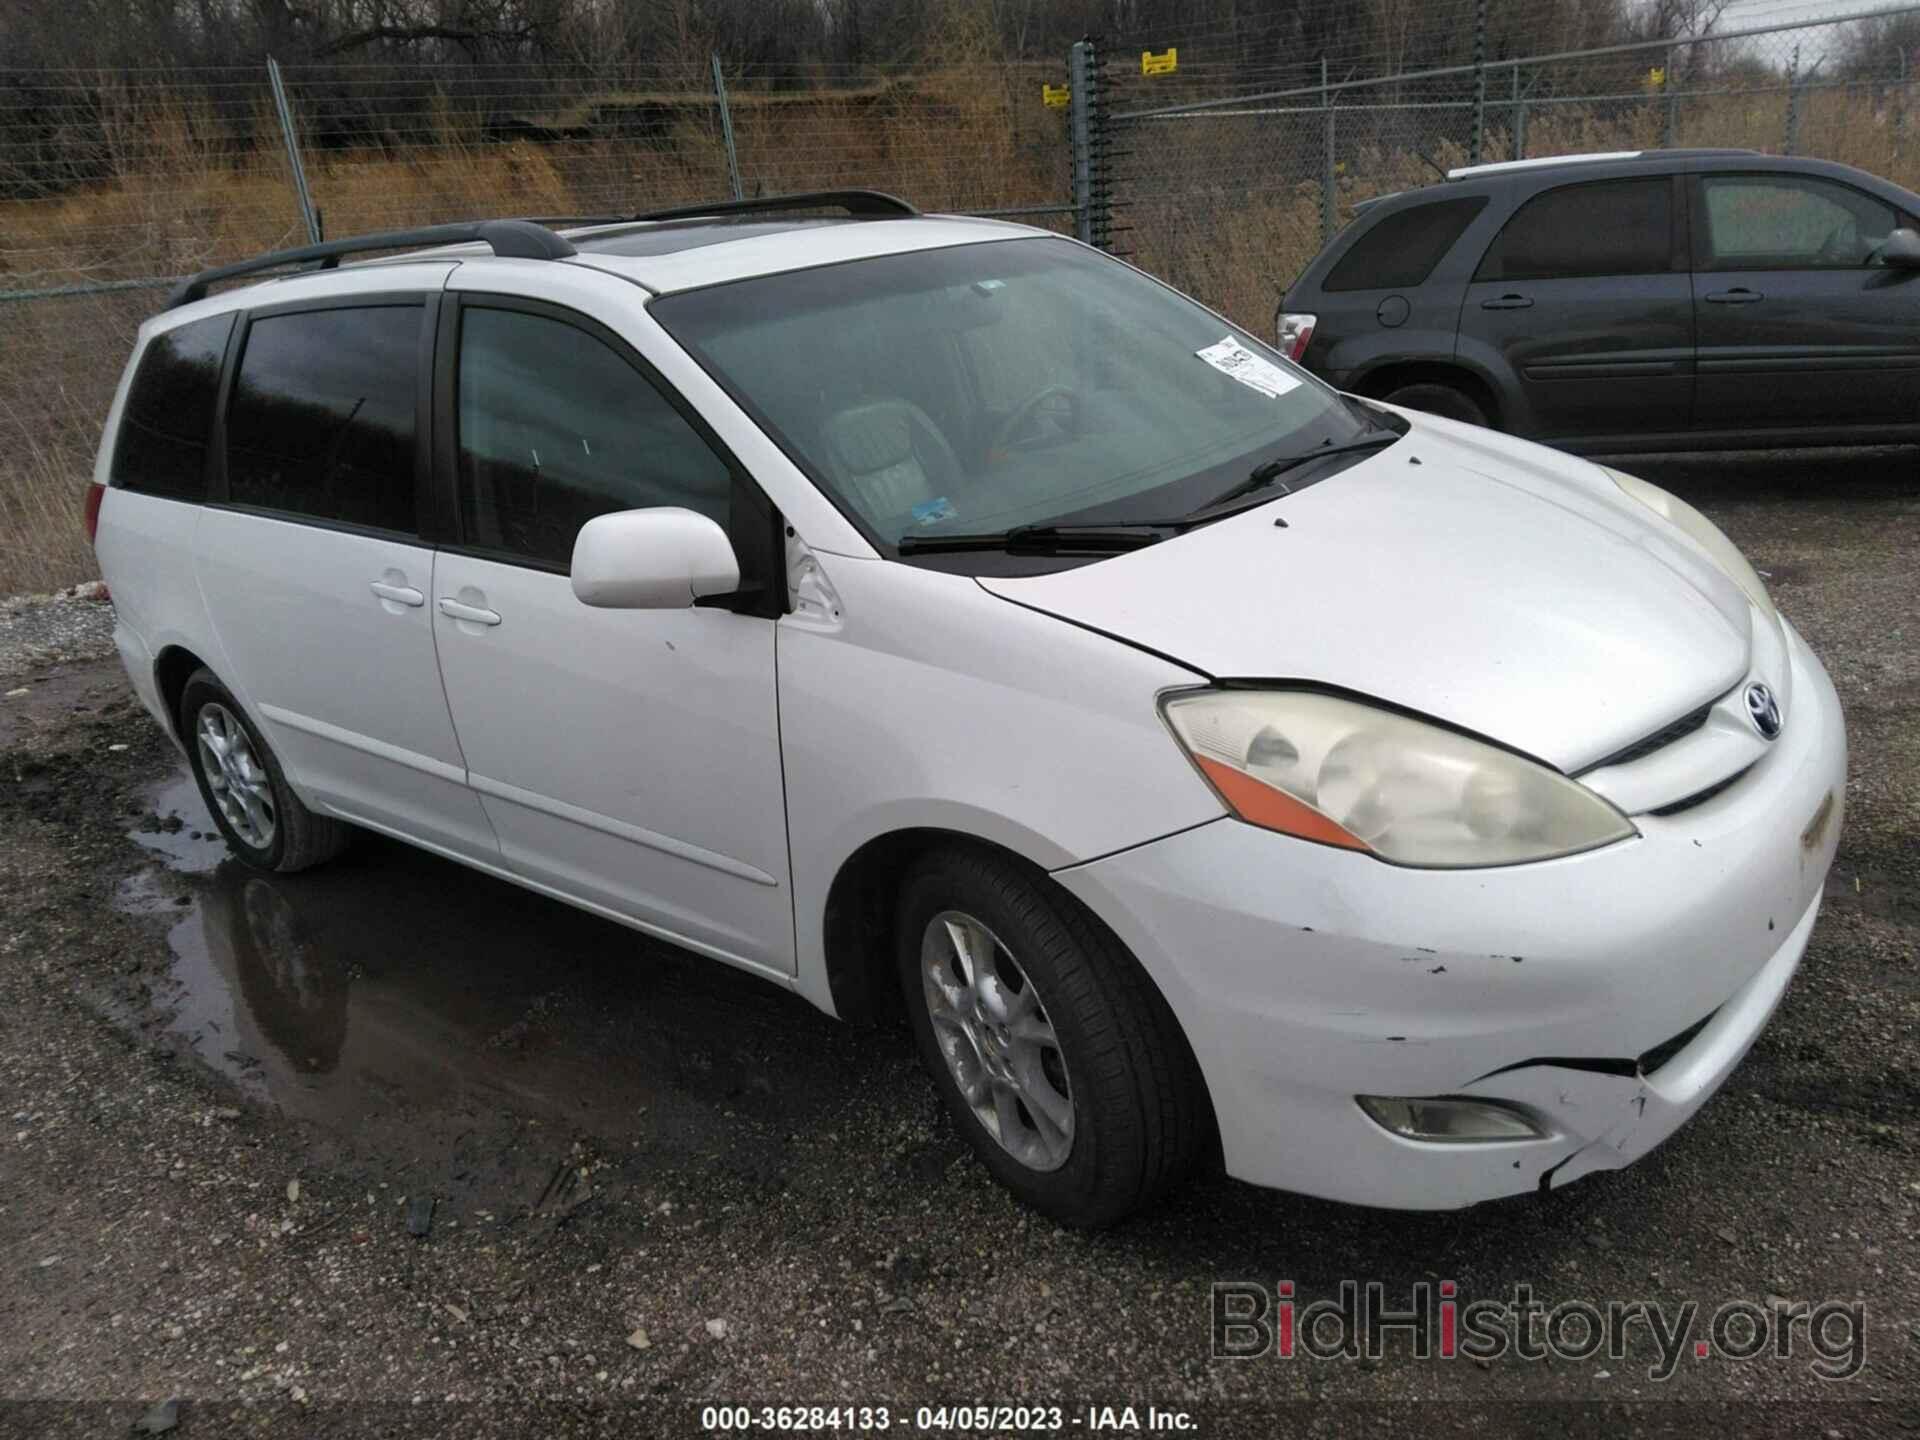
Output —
<point x="1307" y="976"/>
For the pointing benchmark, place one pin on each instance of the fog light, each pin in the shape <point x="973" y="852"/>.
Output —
<point x="1449" y="1119"/>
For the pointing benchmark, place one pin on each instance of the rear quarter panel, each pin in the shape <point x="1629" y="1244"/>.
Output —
<point x="144" y="546"/>
<point x="1354" y="341"/>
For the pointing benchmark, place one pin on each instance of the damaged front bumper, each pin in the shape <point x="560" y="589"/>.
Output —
<point x="1606" y="994"/>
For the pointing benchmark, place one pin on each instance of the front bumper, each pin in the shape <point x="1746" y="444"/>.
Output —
<point x="1305" y="976"/>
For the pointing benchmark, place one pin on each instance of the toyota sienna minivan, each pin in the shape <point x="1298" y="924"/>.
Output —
<point x="938" y="617"/>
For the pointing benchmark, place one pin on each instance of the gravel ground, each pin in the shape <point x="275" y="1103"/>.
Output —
<point x="39" y="631"/>
<point x="390" y="1148"/>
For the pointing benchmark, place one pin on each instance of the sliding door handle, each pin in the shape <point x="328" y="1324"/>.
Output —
<point x="1507" y="302"/>
<point x="472" y="614"/>
<point x="1739" y="295"/>
<point x="399" y="594"/>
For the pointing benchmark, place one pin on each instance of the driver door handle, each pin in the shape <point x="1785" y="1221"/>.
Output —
<point x="1507" y="302"/>
<point x="474" y="614"/>
<point x="1739" y="295"/>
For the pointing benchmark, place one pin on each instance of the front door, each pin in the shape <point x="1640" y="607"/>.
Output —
<point x="629" y="759"/>
<point x="1583" y="298"/>
<point x="1799" y="323"/>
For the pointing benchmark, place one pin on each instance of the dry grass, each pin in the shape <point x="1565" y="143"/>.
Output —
<point x="1225" y="208"/>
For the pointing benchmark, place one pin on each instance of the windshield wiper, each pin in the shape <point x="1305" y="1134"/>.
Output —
<point x="1268" y="471"/>
<point x="1044" y="539"/>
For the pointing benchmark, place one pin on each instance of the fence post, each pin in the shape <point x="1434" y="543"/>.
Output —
<point x="726" y="126"/>
<point x="1793" y="101"/>
<point x="1671" y="128"/>
<point x="1479" y="81"/>
<point x="1329" y="187"/>
<point x="1087" y="135"/>
<point x="1900" y="107"/>
<point x="287" y="132"/>
<point x="1519" y="136"/>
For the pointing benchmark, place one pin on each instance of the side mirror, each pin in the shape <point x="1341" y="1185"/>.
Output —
<point x="663" y="558"/>
<point x="1901" y="250"/>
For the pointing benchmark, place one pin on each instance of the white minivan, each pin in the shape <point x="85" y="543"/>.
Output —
<point x="938" y="617"/>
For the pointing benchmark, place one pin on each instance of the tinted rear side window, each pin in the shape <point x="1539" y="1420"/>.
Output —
<point x="162" y="445"/>
<point x="1612" y="227"/>
<point x="322" y="418"/>
<point x="1401" y="249"/>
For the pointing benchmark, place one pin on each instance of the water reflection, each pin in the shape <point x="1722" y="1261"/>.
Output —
<point x="413" y="1002"/>
<point x="294" y="990"/>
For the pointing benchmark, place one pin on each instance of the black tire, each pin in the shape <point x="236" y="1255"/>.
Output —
<point x="298" y="838"/>
<point x="1437" y="399"/>
<point x="1139" y="1114"/>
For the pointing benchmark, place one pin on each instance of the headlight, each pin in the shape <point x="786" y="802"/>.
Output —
<point x="1703" y="532"/>
<point x="1342" y="773"/>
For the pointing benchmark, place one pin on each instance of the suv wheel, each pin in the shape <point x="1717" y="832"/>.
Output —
<point x="1056" y="1058"/>
<point x="262" y="820"/>
<point x="1437" y="399"/>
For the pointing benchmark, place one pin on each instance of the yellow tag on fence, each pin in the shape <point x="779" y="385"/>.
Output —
<point x="1656" y="77"/>
<point x="1056" y="96"/>
<point x="1152" y="64"/>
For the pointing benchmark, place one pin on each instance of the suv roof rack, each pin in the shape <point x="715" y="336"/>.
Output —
<point x="518" y="239"/>
<point x="854" y="202"/>
<point x="1501" y="167"/>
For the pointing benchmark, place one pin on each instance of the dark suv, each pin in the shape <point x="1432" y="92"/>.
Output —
<point x="1649" y="300"/>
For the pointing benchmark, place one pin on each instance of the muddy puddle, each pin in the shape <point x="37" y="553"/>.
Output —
<point x="427" y="1016"/>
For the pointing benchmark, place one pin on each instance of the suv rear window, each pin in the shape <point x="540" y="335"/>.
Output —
<point x="162" y="445"/>
<point x="321" y="421"/>
<point x="1401" y="249"/>
<point x="1609" y="227"/>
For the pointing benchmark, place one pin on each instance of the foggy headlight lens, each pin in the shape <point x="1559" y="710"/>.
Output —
<point x="1703" y="532"/>
<point x="1341" y="773"/>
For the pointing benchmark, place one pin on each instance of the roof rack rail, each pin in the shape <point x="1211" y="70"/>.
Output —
<point x="568" y="222"/>
<point x="854" y="202"/>
<point x="518" y="239"/>
<point x="1546" y="162"/>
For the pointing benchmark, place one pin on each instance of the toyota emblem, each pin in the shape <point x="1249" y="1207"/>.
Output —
<point x="1763" y="710"/>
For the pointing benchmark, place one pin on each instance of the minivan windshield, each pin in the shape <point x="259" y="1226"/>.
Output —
<point x="980" y="388"/>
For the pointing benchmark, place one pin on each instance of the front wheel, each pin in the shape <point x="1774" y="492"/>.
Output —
<point x="1057" y="1059"/>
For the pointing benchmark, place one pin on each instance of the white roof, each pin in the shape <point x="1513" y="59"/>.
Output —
<point x="714" y="262"/>
<point x="801" y="248"/>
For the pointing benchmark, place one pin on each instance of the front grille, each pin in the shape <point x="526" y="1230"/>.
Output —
<point x="1659" y="740"/>
<point x="1700" y="797"/>
<point x="1660" y="1054"/>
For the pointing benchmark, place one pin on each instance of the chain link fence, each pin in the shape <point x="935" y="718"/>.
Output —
<point x="1220" y="157"/>
<point x="1232" y="169"/>
<point x="111" y="186"/>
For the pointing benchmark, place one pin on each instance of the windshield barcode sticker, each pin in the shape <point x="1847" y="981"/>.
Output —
<point x="1230" y="357"/>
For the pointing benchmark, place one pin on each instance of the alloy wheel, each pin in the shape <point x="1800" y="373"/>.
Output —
<point x="240" y="785"/>
<point x="992" y="1029"/>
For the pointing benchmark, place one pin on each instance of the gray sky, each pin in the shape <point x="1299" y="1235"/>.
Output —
<point x="1745" y="14"/>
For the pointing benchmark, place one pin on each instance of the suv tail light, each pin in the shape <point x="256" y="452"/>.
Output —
<point x="1296" y="333"/>
<point x="96" y="492"/>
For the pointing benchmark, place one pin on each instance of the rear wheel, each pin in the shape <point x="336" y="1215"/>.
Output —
<point x="1445" y="401"/>
<point x="1061" y="1065"/>
<point x="261" y="819"/>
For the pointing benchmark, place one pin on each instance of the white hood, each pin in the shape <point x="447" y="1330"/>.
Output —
<point x="1497" y="585"/>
